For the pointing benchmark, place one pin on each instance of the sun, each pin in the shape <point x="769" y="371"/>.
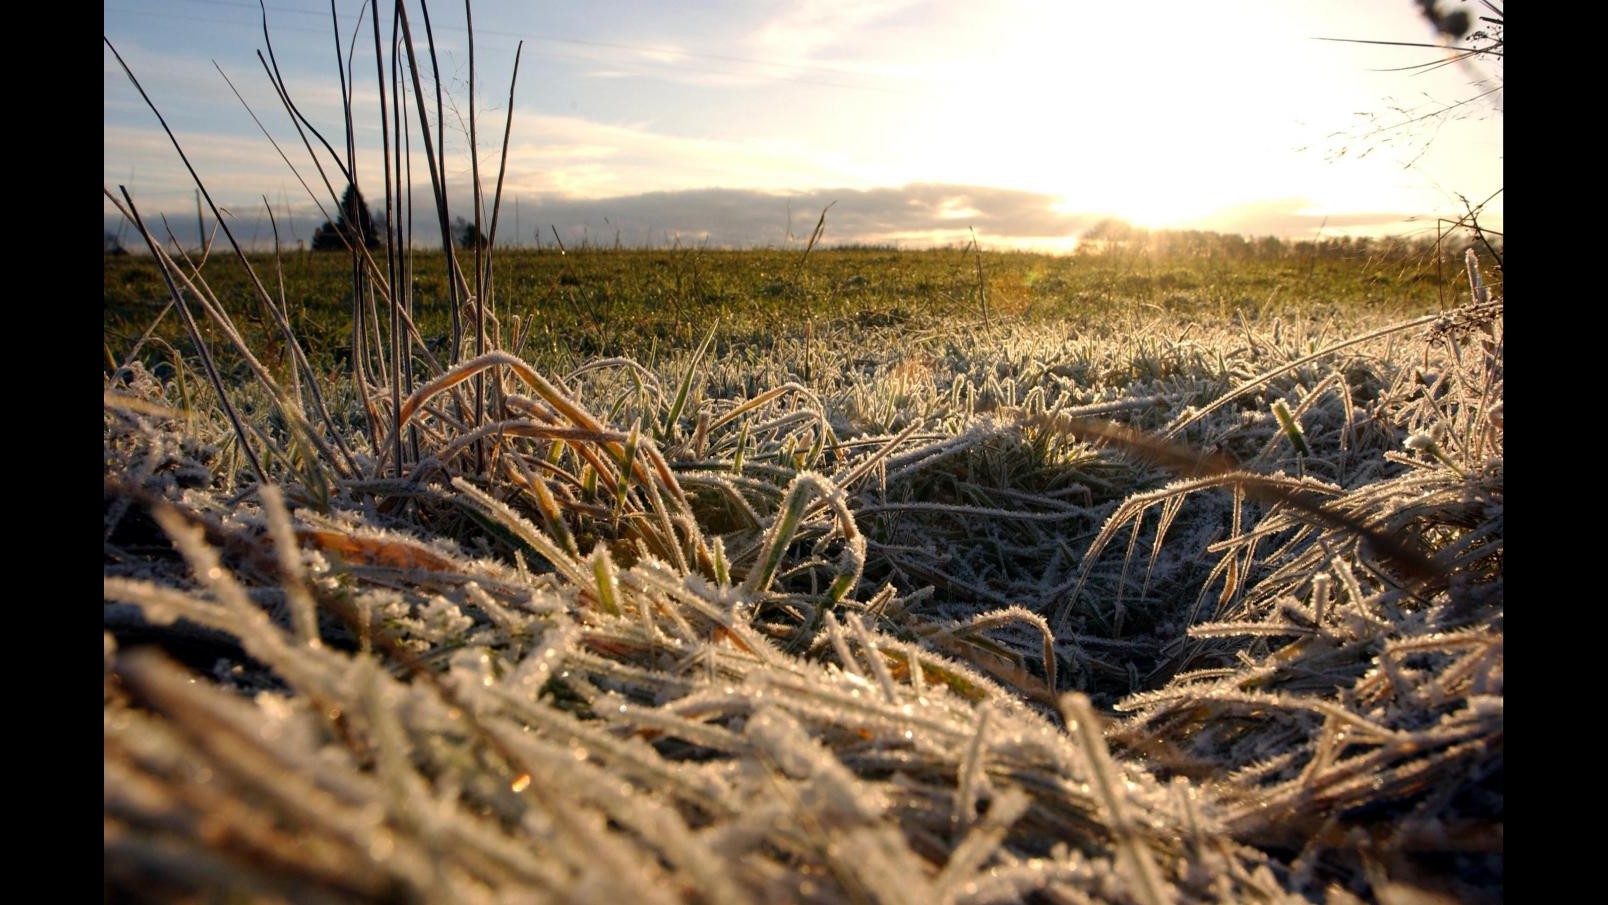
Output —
<point x="1165" y="209"/>
<point x="1149" y="193"/>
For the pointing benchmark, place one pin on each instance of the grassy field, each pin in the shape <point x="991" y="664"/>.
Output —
<point x="741" y="576"/>
<point x="636" y="303"/>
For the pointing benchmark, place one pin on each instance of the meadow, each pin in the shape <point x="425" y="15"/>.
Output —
<point x="770" y="578"/>
<point x="636" y="301"/>
<point x="1169" y="571"/>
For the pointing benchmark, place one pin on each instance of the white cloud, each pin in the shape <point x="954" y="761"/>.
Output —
<point x="806" y="30"/>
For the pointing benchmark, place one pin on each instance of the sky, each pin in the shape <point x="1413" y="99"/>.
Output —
<point x="922" y="122"/>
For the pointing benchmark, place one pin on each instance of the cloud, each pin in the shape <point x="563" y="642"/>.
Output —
<point x="914" y="216"/>
<point x="807" y="28"/>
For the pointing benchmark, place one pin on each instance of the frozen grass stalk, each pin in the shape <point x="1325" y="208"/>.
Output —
<point x="1476" y="282"/>
<point x="1291" y="427"/>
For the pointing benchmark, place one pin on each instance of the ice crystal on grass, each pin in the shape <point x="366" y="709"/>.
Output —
<point x="855" y="637"/>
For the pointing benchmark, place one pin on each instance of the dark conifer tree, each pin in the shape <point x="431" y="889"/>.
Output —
<point x="354" y="222"/>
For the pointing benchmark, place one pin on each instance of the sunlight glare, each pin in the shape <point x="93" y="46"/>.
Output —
<point x="1132" y="137"/>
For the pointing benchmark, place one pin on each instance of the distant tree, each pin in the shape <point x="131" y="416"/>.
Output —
<point x="112" y="244"/>
<point x="326" y="238"/>
<point x="1111" y="234"/>
<point x="1269" y="248"/>
<point x="465" y="234"/>
<point x="354" y="224"/>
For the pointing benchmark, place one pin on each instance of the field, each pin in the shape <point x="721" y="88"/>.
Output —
<point x="632" y="302"/>
<point x="849" y="576"/>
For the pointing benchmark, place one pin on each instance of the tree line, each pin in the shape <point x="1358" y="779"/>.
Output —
<point x="354" y="225"/>
<point x="1118" y="236"/>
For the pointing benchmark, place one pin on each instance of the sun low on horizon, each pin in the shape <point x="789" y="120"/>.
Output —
<point x="1023" y="123"/>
